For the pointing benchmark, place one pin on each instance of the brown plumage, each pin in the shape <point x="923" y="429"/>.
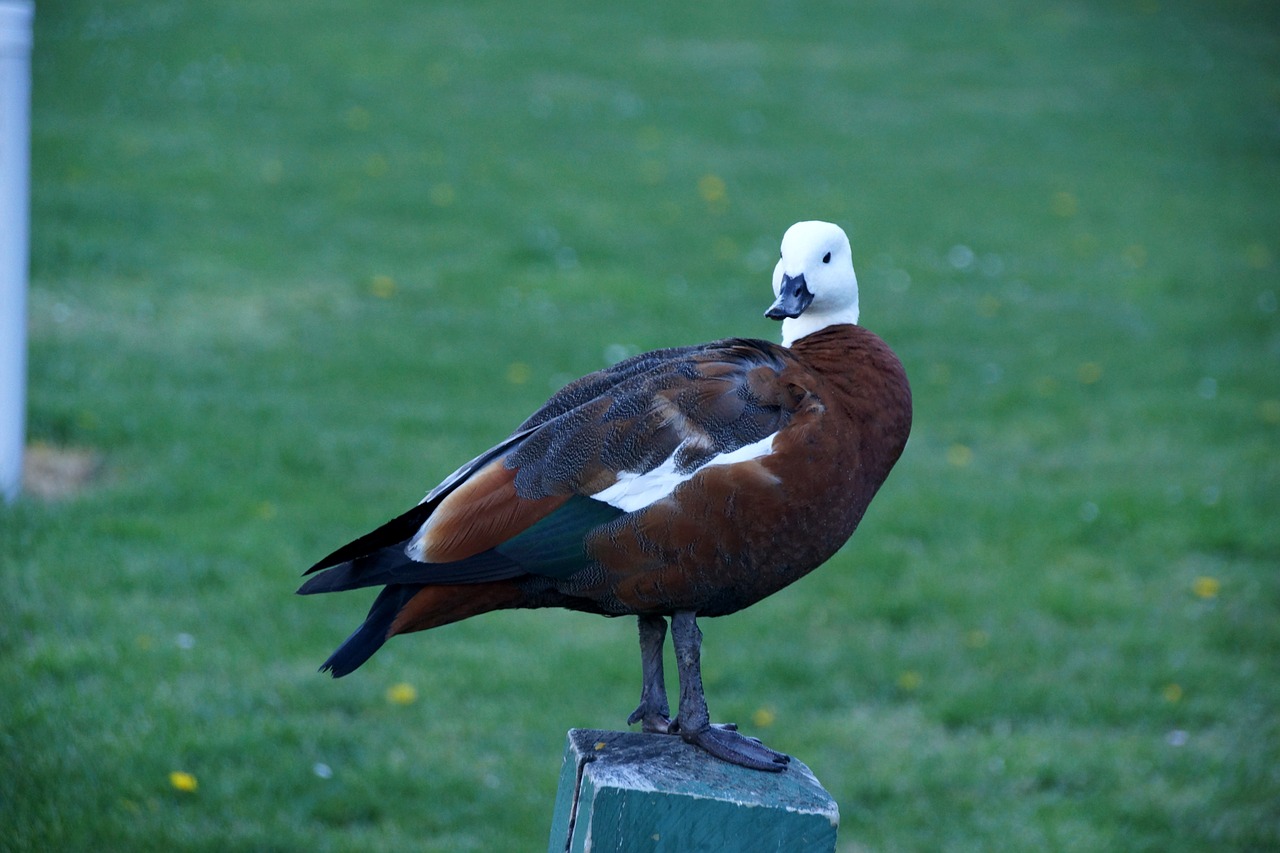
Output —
<point x="680" y="483"/>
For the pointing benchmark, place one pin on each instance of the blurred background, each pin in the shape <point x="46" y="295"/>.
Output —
<point x="294" y="262"/>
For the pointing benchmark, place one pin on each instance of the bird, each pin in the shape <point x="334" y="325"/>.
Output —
<point x="683" y="483"/>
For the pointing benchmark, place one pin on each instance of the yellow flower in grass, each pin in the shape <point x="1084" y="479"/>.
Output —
<point x="1206" y="587"/>
<point x="1172" y="693"/>
<point x="910" y="680"/>
<point x="518" y="373"/>
<point x="712" y="188"/>
<point x="763" y="718"/>
<point x="402" y="694"/>
<point x="1089" y="372"/>
<point x="184" y="782"/>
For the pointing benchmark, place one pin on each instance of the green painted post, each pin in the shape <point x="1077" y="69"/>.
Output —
<point x="626" y="791"/>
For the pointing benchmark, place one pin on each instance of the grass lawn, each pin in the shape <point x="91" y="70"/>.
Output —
<point x="293" y="262"/>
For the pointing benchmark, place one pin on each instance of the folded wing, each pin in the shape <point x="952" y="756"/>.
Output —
<point x="610" y="443"/>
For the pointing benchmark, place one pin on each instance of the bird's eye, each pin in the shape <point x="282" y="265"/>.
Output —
<point x="826" y="259"/>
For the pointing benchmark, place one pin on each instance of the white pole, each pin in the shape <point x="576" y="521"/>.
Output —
<point x="15" y="187"/>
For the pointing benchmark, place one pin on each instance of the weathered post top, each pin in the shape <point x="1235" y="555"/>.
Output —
<point x="634" y="791"/>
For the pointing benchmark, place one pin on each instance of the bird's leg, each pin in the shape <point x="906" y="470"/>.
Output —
<point x="694" y="723"/>
<point x="653" y="712"/>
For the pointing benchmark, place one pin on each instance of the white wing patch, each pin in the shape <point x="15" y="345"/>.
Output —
<point x="635" y="491"/>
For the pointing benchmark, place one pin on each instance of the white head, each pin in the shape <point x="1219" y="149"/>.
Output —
<point x="814" y="281"/>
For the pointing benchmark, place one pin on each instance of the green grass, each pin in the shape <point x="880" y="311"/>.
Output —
<point x="294" y="262"/>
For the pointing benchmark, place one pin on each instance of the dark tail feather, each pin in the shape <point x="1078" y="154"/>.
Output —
<point x="391" y="566"/>
<point x="370" y="636"/>
<point x="378" y="568"/>
<point x="398" y="529"/>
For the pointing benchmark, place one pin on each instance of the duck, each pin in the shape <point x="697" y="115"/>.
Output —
<point x="678" y="484"/>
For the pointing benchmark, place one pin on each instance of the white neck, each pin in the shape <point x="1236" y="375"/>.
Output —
<point x="795" y="328"/>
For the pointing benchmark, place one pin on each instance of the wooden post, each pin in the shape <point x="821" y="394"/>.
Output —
<point x="626" y="791"/>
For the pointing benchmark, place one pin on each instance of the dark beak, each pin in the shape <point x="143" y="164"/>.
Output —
<point x="792" y="300"/>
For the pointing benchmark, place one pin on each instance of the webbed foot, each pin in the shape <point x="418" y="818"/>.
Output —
<point x="728" y="744"/>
